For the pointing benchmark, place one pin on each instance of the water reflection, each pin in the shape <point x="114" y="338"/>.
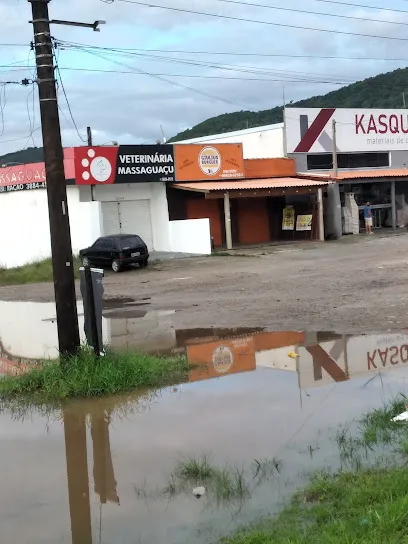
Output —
<point x="105" y="485"/>
<point x="317" y="358"/>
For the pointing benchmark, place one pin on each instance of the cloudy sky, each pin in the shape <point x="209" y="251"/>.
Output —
<point x="183" y="50"/>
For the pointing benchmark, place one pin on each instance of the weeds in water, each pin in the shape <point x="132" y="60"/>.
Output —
<point x="195" y="468"/>
<point x="377" y="426"/>
<point x="85" y="375"/>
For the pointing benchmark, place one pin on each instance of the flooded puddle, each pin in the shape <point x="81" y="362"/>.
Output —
<point x="261" y="409"/>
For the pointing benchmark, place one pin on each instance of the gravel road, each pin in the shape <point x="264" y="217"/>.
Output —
<point x="355" y="285"/>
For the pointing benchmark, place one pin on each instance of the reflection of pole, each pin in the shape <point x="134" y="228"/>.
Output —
<point x="77" y="473"/>
<point x="104" y="477"/>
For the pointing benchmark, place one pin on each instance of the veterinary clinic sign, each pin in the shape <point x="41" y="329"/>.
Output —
<point x="310" y="130"/>
<point x="157" y="163"/>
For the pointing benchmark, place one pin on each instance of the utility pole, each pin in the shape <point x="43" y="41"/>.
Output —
<point x="403" y="100"/>
<point x="334" y="138"/>
<point x="89" y="133"/>
<point x="61" y="248"/>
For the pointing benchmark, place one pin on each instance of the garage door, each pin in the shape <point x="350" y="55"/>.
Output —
<point x="128" y="217"/>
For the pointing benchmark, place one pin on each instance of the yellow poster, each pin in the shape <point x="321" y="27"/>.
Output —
<point x="304" y="222"/>
<point x="288" y="221"/>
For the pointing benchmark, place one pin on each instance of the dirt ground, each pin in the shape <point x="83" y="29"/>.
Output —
<point x="355" y="285"/>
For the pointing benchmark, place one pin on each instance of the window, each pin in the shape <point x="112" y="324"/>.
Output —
<point x="130" y="241"/>
<point x="99" y="244"/>
<point x="349" y="161"/>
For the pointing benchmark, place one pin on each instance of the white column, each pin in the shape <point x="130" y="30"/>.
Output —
<point x="393" y="206"/>
<point x="320" y="214"/>
<point x="227" y="213"/>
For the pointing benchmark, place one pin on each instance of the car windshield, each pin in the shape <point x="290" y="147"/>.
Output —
<point x="131" y="241"/>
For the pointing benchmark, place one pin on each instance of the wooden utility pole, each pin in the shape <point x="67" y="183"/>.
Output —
<point x="89" y="134"/>
<point x="334" y="138"/>
<point x="62" y="261"/>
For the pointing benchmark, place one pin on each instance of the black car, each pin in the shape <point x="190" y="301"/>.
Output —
<point x="116" y="251"/>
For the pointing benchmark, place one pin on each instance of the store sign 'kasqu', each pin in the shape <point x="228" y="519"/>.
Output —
<point x="124" y="164"/>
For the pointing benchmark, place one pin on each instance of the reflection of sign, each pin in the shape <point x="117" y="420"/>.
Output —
<point x="304" y="222"/>
<point x="309" y="130"/>
<point x="222" y="359"/>
<point x="197" y="162"/>
<point x="374" y="353"/>
<point x="214" y="359"/>
<point x="124" y="164"/>
<point x="288" y="222"/>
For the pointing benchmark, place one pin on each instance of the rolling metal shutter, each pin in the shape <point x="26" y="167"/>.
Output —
<point x="128" y="217"/>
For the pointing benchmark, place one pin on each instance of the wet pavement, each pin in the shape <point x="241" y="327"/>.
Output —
<point x="265" y="406"/>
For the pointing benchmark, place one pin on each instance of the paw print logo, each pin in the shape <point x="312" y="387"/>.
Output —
<point x="98" y="167"/>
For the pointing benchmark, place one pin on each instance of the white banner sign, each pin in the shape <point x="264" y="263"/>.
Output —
<point x="310" y="130"/>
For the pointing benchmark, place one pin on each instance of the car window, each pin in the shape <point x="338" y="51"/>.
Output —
<point x="109" y="244"/>
<point x="99" y="244"/>
<point x="130" y="241"/>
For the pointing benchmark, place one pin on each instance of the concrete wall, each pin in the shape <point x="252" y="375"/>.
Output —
<point x="258" y="143"/>
<point x="154" y="192"/>
<point x="191" y="236"/>
<point x="24" y="225"/>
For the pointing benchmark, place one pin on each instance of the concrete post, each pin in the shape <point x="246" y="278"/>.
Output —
<point x="393" y="206"/>
<point x="227" y="213"/>
<point x="320" y="214"/>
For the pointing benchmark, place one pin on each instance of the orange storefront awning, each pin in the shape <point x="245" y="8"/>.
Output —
<point x="250" y="184"/>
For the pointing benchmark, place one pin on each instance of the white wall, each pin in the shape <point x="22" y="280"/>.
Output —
<point x="191" y="236"/>
<point x="24" y="225"/>
<point x="29" y="330"/>
<point x="265" y="142"/>
<point x="154" y="192"/>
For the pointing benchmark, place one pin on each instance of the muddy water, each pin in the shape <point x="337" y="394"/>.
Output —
<point x="264" y="403"/>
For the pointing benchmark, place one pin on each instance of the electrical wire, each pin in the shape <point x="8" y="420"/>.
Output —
<point x="257" y="21"/>
<point x="300" y="76"/>
<point x="67" y="101"/>
<point x="160" y="78"/>
<point x="308" y="12"/>
<point x="131" y="72"/>
<point x="234" y="53"/>
<point x="365" y="6"/>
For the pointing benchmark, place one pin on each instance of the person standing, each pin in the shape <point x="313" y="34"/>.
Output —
<point x="368" y="218"/>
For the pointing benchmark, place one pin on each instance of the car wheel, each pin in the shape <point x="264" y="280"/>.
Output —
<point x="116" y="267"/>
<point x="86" y="262"/>
<point x="144" y="264"/>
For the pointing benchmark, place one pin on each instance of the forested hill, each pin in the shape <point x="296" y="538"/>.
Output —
<point x="383" y="91"/>
<point x="24" y="156"/>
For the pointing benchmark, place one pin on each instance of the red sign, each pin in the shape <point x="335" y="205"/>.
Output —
<point x="95" y="165"/>
<point x="32" y="176"/>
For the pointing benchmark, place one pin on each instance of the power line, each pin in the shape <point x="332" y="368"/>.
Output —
<point x="92" y="70"/>
<point x="303" y="76"/>
<point x="308" y="12"/>
<point x="160" y="78"/>
<point x="69" y="106"/>
<point x="354" y="5"/>
<point x="238" y="54"/>
<point x="257" y="21"/>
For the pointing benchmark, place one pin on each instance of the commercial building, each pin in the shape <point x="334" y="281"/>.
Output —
<point x="371" y="148"/>
<point x="179" y="198"/>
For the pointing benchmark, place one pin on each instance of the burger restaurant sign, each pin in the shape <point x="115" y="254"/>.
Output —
<point x="310" y="130"/>
<point x="134" y="164"/>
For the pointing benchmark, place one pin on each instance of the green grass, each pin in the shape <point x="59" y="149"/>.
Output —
<point x="36" y="272"/>
<point x="85" y="375"/>
<point x="369" y="507"/>
<point x="192" y="468"/>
